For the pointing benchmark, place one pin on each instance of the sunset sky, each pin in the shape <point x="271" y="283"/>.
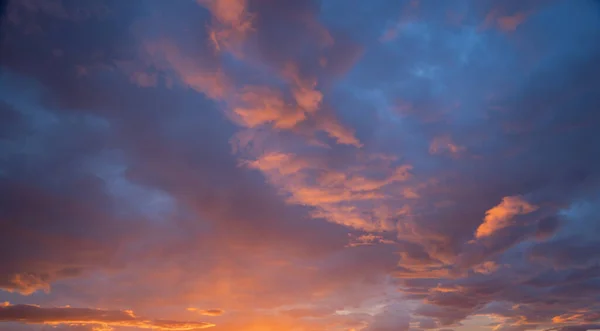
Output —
<point x="299" y="165"/>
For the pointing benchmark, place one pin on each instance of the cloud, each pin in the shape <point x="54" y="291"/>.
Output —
<point x="285" y="162"/>
<point x="25" y="284"/>
<point x="445" y="144"/>
<point x="232" y="22"/>
<point x="124" y="190"/>
<point x="257" y="106"/>
<point x="78" y="316"/>
<point x="207" y="312"/>
<point x="32" y="196"/>
<point x="336" y="195"/>
<point x="500" y="216"/>
<point x="487" y="267"/>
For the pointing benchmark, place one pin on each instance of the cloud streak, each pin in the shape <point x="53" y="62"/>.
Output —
<point x="83" y="316"/>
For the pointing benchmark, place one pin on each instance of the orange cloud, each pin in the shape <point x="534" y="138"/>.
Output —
<point x="487" y="267"/>
<point x="304" y="90"/>
<point x="308" y="98"/>
<point x="500" y="216"/>
<point x="229" y="12"/>
<point x="251" y="106"/>
<point x="261" y="105"/>
<point x="31" y="314"/>
<point x="27" y="284"/>
<point x="207" y="312"/>
<point x="346" y="197"/>
<point x="565" y="318"/>
<point x="231" y="23"/>
<point x="352" y="182"/>
<point x="284" y="164"/>
<point x="336" y="130"/>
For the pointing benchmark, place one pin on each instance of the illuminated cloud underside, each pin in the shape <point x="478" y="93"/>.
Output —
<point x="87" y="316"/>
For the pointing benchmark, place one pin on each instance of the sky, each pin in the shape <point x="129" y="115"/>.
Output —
<point x="299" y="165"/>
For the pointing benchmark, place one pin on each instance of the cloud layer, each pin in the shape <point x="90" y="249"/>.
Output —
<point x="299" y="165"/>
